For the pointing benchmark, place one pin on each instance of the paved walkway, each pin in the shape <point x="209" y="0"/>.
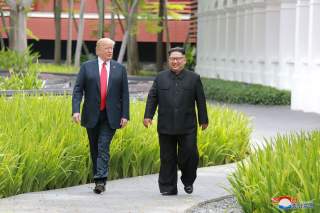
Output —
<point x="140" y="194"/>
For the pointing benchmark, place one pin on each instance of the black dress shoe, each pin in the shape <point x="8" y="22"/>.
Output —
<point x="188" y="189"/>
<point x="169" y="193"/>
<point x="100" y="187"/>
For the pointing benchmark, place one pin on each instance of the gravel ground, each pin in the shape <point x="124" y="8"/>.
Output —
<point x="227" y="204"/>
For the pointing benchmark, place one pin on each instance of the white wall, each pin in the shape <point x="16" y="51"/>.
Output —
<point x="269" y="42"/>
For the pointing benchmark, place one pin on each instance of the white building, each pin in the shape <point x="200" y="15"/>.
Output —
<point x="269" y="42"/>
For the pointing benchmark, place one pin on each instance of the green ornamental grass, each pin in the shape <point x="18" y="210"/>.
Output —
<point x="41" y="148"/>
<point x="286" y="166"/>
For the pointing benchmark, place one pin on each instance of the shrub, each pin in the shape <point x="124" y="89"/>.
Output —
<point x="190" y="56"/>
<point x="22" y="74"/>
<point x="41" y="148"/>
<point x="287" y="165"/>
<point x="227" y="138"/>
<point x="237" y="92"/>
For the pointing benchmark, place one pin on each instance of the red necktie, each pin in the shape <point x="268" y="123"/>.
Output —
<point x="103" y="86"/>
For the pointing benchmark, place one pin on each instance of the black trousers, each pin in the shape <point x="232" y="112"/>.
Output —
<point x="178" y="150"/>
<point x="100" y="138"/>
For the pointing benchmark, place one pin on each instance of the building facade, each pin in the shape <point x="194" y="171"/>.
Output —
<point x="269" y="42"/>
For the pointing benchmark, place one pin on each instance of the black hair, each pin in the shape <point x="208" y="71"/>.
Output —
<point x="177" y="49"/>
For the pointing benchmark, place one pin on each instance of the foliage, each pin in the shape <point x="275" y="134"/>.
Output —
<point x="147" y="73"/>
<point x="84" y="58"/>
<point x="190" y="56"/>
<point x="226" y="139"/>
<point x="148" y="13"/>
<point x="287" y="165"/>
<point x="22" y="68"/>
<point x="54" y="68"/>
<point x="43" y="149"/>
<point x="238" y="92"/>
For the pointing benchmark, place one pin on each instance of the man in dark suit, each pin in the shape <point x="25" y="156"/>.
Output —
<point x="175" y="92"/>
<point x="104" y="85"/>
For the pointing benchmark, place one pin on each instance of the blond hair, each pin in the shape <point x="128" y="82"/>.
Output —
<point x="103" y="41"/>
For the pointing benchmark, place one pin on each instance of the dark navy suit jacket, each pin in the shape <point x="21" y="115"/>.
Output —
<point x="88" y="85"/>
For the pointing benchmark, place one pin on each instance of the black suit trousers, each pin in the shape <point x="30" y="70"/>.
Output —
<point x="100" y="139"/>
<point x="178" y="150"/>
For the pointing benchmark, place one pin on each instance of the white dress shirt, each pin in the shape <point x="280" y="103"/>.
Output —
<point x="100" y="62"/>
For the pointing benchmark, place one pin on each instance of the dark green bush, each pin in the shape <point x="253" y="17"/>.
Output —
<point x="238" y="92"/>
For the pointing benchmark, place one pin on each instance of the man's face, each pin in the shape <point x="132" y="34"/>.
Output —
<point x="105" y="50"/>
<point x="177" y="62"/>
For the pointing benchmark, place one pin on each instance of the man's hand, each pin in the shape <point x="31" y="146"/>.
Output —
<point x="203" y="126"/>
<point x="123" y="122"/>
<point x="147" y="122"/>
<point x="76" y="117"/>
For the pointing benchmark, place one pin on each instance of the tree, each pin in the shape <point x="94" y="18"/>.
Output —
<point x="112" y="24"/>
<point x="132" y="50"/>
<point x="148" y="14"/>
<point x="85" y="48"/>
<point x="57" y="22"/>
<point x="168" y="44"/>
<point x="69" y="42"/>
<point x="80" y="35"/>
<point x="18" y="23"/>
<point x="129" y="41"/>
<point x="4" y="27"/>
<point x="156" y="13"/>
<point x="100" y="7"/>
<point x="159" y="51"/>
<point x="125" y="32"/>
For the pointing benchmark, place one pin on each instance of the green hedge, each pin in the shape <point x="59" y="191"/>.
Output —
<point x="237" y="92"/>
<point x="288" y="167"/>
<point x="41" y="148"/>
<point x="54" y="68"/>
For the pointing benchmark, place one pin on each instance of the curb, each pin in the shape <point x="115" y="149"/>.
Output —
<point x="201" y="204"/>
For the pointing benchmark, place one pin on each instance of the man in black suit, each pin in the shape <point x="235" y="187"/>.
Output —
<point x="104" y="85"/>
<point x="175" y="92"/>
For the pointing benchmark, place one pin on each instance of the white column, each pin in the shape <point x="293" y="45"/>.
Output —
<point x="299" y="96"/>
<point x="206" y="38"/>
<point x="236" y="69"/>
<point x="258" y="44"/>
<point x="201" y="38"/>
<point x="314" y="33"/>
<point x="314" y="57"/>
<point x="212" y="43"/>
<point x="215" y="38"/>
<point x="287" y="42"/>
<point x="221" y="28"/>
<point x="240" y="43"/>
<point x="230" y="39"/>
<point x="247" y="41"/>
<point x="271" y="42"/>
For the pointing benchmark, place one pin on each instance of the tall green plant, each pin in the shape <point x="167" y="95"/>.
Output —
<point x="22" y="68"/>
<point x="41" y="148"/>
<point x="190" y="56"/>
<point x="288" y="165"/>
